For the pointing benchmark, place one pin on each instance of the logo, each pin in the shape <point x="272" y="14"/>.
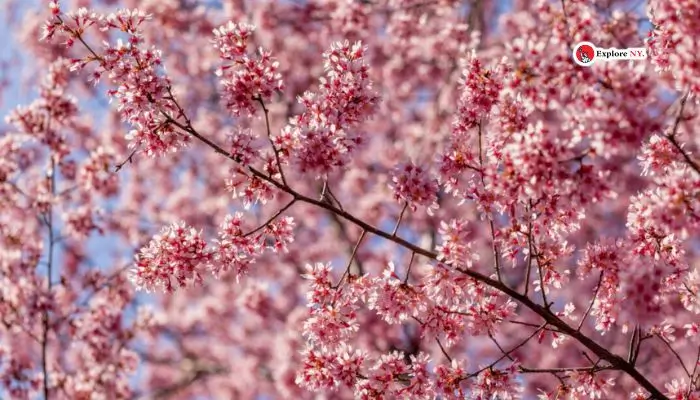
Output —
<point x="586" y="53"/>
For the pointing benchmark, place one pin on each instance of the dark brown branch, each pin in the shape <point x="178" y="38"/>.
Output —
<point x="693" y="382"/>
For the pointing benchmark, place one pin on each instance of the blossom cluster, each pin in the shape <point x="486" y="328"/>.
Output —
<point x="51" y="180"/>
<point x="324" y="137"/>
<point x="247" y="79"/>
<point x="673" y="42"/>
<point x="179" y="257"/>
<point x="414" y="185"/>
<point x="177" y="254"/>
<point x="333" y="321"/>
<point x="143" y="91"/>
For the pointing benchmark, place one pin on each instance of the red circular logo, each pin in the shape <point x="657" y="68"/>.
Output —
<point x="585" y="54"/>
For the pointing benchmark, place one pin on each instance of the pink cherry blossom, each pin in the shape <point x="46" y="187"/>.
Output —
<point x="248" y="78"/>
<point x="386" y="199"/>
<point x="415" y="186"/>
<point x="176" y="258"/>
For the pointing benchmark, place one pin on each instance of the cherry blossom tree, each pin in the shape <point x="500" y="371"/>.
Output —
<point x="371" y="199"/>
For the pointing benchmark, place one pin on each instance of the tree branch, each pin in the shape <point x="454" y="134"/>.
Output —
<point x="544" y="312"/>
<point x="616" y="361"/>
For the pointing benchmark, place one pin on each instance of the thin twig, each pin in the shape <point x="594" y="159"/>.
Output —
<point x="346" y="238"/>
<point x="590" y="306"/>
<point x="529" y="255"/>
<point x="496" y="255"/>
<point x="328" y="196"/>
<point x="680" y="360"/>
<point x="398" y="222"/>
<point x="444" y="352"/>
<point x="546" y="328"/>
<point x="197" y="375"/>
<point x="260" y="100"/>
<point x="671" y="137"/>
<point x="562" y="370"/>
<point x="129" y="159"/>
<point x="49" y="282"/>
<point x="272" y="218"/>
<point x="542" y="286"/>
<point x="692" y="384"/>
<point x="633" y="343"/>
<point x="566" y="25"/>
<point x="408" y="270"/>
<point x="333" y="196"/>
<point x="352" y="257"/>
<point x="506" y="354"/>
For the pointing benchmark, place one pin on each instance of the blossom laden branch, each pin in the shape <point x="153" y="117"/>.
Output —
<point x="614" y="360"/>
<point x="330" y="123"/>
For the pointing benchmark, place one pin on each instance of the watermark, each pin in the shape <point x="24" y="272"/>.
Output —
<point x="586" y="53"/>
